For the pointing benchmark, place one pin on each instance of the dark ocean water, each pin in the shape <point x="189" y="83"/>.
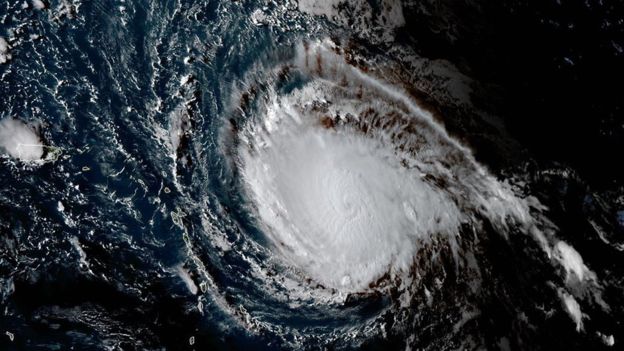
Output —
<point x="135" y="231"/>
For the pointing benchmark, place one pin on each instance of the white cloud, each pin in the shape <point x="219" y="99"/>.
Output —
<point x="572" y="262"/>
<point x="20" y="140"/>
<point x="38" y="4"/>
<point x="5" y="53"/>
<point x="347" y="205"/>
<point x="573" y="309"/>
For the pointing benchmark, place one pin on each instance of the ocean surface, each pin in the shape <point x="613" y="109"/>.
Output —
<point x="259" y="175"/>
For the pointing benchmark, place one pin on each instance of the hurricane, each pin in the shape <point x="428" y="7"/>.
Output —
<point x="288" y="175"/>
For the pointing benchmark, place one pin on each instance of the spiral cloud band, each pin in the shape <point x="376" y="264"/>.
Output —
<point x="350" y="177"/>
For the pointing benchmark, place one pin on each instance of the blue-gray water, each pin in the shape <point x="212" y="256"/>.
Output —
<point x="134" y="233"/>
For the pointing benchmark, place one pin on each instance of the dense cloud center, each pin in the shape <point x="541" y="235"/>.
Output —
<point x="340" y="205"/>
